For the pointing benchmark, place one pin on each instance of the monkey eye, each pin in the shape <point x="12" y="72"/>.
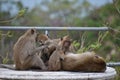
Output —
<point x="96" y="56"/>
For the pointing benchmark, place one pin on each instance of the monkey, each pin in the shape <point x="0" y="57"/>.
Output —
<point x="46" y="53"/>
<point x="54" y="63"/>
<point x="52" y="45"/>
<point x="65" y="43"/>
<point x="41" y="38"/>
<point x="45" y="40"/>
<point x="57" y="56"/>
<point x="24" y="52"/>
<point x="87" y="61"/>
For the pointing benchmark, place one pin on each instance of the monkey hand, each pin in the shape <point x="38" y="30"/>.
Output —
<point x="62" y="58"/>
<point x="37" y="50"/>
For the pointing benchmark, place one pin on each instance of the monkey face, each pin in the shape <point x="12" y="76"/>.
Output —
<point x="65" y="41"/>
<point x="67" y="44"/>
<point x="98" y="59"/>
<point x="42" y="37"/>
<point x="99" y="63"/>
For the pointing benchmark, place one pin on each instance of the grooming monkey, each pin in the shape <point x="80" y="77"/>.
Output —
<point x="24" y="52"/>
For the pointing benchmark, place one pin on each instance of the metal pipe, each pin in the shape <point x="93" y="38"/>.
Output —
<point x="112" y="64"/>
<point x="54" y="28"/>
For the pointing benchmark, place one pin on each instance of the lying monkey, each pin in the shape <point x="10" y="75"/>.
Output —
<point x="87" y="62"/>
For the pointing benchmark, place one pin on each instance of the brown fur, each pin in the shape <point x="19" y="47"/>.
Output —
<point x="45" y="40"/>
<point x="88" y="61"/>
<point x="54" y="62"/>
<point x="46" y="52"/>
<point x="66" y="44"/>
<point x="25" y="50"/>
<point x="41" y="38"/>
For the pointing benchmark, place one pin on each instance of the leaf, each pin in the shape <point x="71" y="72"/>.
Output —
<point x="9" y="34"/>
<point x="21" y="12"/>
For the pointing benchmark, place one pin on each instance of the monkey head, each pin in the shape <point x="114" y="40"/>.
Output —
<point x="99" y="63"/>
<point x="31" y="32"/>
<point x="65" y="43"/>
<point x="41" y="38"/>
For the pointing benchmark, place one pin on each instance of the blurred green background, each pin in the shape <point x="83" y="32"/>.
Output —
<point x="64" y="13"/>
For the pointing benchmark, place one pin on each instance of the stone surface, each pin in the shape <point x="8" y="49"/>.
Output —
<point x="56" y="75"/>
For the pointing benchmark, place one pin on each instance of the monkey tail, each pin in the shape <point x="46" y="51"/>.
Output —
<point x="12" y="67"/>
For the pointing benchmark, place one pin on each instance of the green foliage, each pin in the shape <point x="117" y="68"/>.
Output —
<point x="91" y="46"/>
<point x="0" y="34"/>
<point x="9" y="34"/>
<point x="118" y="73"/>
<point x="21" y="12"/>
<point x="5" y="59"/>
<point x="76" y="44"/>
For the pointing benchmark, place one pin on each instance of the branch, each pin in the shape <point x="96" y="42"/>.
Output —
<point x="115" y="2"/>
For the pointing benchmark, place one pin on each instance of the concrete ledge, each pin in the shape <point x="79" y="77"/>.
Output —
<point x="56" y="75"/>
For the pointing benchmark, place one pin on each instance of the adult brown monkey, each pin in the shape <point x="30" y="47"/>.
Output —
<point x="54" y="63"/>
<point x="58" y="55"/>
<point x="52" y="44"/>
<point x="41" y="38"/>
<point x="88" y="61"/>
<point x="45" y="53"/>
<point x="24" y="52"/>
<point x="65" y="44"/>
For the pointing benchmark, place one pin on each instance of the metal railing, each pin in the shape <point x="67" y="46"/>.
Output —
<point x="54" y="28"/>
<point x="61" y="28"/>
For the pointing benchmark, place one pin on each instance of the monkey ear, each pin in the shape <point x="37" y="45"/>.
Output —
<point x="32" y="31"/>
<point x="61" y="38"/>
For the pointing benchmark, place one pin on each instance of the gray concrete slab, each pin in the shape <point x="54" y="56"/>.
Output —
<point x="56" y="75"/>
